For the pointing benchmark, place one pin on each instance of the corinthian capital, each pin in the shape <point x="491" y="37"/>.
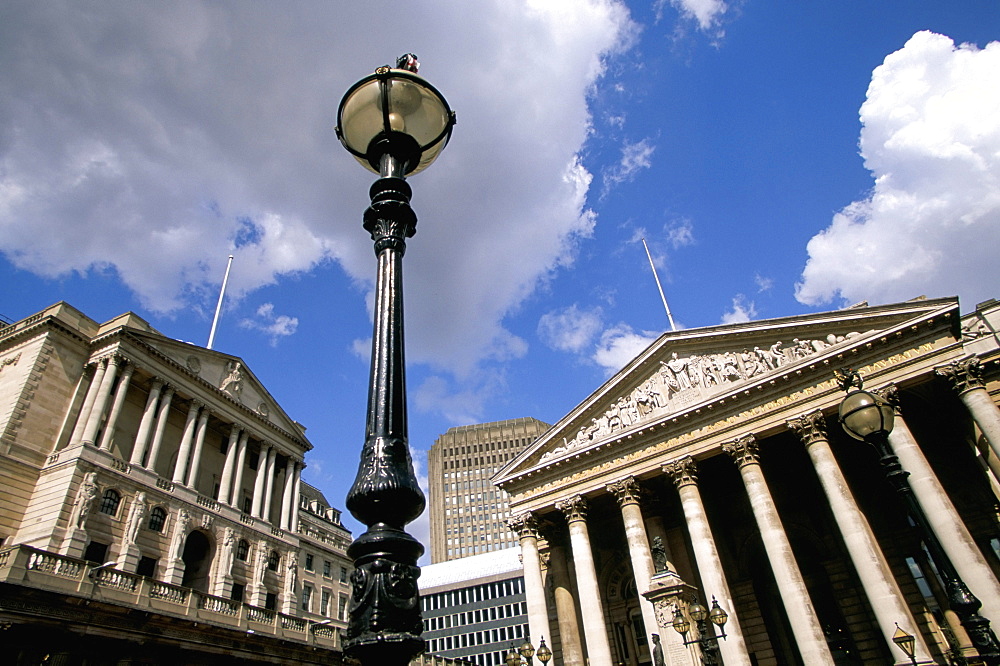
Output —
<point x="964" y="374"/>
<point x="626" y="491"/>
<point x="683" y="471"/>
<point x="575" y="508"/>
<point x="743" y="450"/>
<point x="525" y="525"/>
<point x="810" y="428"/>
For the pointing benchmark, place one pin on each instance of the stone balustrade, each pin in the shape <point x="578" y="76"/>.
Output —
<point x="31" y="567"/>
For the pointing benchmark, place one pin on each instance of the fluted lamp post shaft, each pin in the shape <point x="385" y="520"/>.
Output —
<point x="395" y="124"/>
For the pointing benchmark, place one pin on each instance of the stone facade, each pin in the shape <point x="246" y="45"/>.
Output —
<point x="130" y="457"/>
<point x="713" y="467"/>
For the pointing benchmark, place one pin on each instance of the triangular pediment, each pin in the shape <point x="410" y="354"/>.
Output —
<point x="228" y="374"/>
<point x="683" y="370"/>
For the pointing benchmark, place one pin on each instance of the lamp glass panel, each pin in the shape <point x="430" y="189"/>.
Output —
<point x="361" y="118"/>
<point x="862" y="414"/>
<point x="697" y="612"/>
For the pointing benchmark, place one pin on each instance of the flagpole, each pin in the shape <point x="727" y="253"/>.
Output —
<point x="656" y="277"/>
<point x="218" y="308"/>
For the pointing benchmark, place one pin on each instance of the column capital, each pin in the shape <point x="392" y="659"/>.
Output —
<point x="744" y="451"/>
<point x="168" y="388"/>
<point x="810" y="427"/>
<point x="964" y="374"/>
<point x="574" y="508"/>
<point x="157" y="383"/>
<point x="525" y="525"/>
<point x="683" y="471"/>
<point x="196" y="404"/>
<point x="890" y="393"/>
<point x="626" y="491"/>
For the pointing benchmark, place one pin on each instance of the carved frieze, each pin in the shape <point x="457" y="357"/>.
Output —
<point x="683" y="381"/>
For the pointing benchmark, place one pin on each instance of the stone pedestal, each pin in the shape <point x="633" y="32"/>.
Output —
<point x="667" y="592"/>
<point x="175" y="571"/>
<point x="128" y="557"/>
<point x="75" y="543"/>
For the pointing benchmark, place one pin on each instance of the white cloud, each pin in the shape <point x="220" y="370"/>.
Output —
<point x="619" y="345"/>
<point x="635" y="156"/>
<point x="274" y="326"/>
<point x="743" y="310"/>
<point x="706" y="13"/>
<point x="763" y="283"/>
<point x="680" y="233"/>
<point x="570" y="329"/>
<point x="931" y="138"/>
<point x="154" y="139"/>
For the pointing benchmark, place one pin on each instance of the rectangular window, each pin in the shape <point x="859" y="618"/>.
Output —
<point x="96" y="552"/>
<point x="309" y="562"/>
<point x="306" y="597"/>
<point x="147" y="567"/>
<point x="271" y="601"/>
<point x="343" y="574"/>
<point x="342" y="607"/>
<point x="324" y="607"/>
<point x="237" y="594"/>
<point x="327" y="568"/>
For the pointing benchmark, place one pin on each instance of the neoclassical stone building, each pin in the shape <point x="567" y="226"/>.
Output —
<point x="713" y="466"/>
<point x="159" y="475"/>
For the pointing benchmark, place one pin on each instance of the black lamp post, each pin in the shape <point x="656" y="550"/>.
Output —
<point x="707" y="639"/>
<point x="869" y="418"/>
<point x="395" y="124"/>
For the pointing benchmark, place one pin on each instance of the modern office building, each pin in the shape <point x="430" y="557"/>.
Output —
<point x="474" y="607"/>
<point x="713" y="466"/>
<point x="153" y="510"/>
<point x="468" y="514"/>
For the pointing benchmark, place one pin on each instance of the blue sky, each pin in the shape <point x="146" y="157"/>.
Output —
<point x="779" y="159"/>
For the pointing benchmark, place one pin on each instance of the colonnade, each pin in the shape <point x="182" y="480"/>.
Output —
<point x="102" y="406"/>
<point x="878" y="582"/>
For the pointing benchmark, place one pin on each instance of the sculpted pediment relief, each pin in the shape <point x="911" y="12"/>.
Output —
<point x="683" y="379"/>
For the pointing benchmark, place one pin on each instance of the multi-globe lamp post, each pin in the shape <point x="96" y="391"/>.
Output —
<point x="869" y="418"/>
<point x="395" y="124"/>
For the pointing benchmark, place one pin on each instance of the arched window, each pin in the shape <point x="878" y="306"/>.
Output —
<point x="272" y="560"/>
<point x="157" y="517"/>
<point x="242" y="550"/>
<point x="110" y="502"/>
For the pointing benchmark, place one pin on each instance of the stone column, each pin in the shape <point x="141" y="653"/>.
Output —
<point x="944" y="517"/>
<point x="101" y="401"/>
<point x="876" y="577"/>
<point x="116" y="406"/>
<point x="526" y="528"/>
<point x="162" y="417"/>
<point x="101" y="367"/>
<point x="258" y="485"/>
<point x="199" y="443"/>
<point x="594" y="630"/>
<point x="792" y="588"/>
<point x="684" y="473"/>
<point x="562" y="592"/>
<point x="241" y="460"/>
<point x="146" y="424"/>
<point x="265" y="510"/>
<point x="296" y="494"/>
<point x="966" y="377"/>
<point x="627" y="492"/>
<point x="187" y="439"/>
<point x="286" y="496"/>
<point x="226" y="481"/>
